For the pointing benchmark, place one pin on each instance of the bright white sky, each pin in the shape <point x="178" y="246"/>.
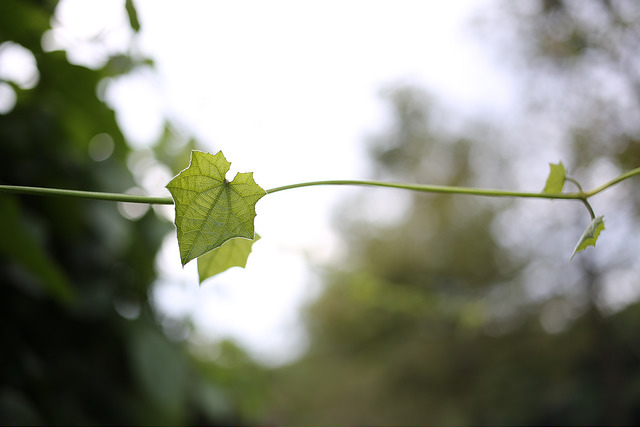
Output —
<point x="288" y="90"/>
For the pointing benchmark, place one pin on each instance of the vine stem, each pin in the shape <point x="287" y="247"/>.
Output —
<point x="433" y="189"/>
<point x="613" y="182"/>
<point x="112" y="197"/>
<point x="584" y="198"/>
<point x="134" y="198"/>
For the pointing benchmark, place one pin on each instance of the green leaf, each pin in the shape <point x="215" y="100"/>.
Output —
<point x="209" y="209"/>
<point x="556" y="179"/>
<point x="233" y="253"/>
<point x="590" y="235"/>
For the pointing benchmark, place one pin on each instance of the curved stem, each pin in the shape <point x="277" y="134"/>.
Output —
<point x="586" y="203"/>
<point x="433" y="189"/>
<point x="584" y="200"/>
<point x="614" y="181"/>
<point x="112" y="197"/>
<point x="575" y="182"/>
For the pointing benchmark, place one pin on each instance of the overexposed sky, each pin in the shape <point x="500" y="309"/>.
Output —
<point x="288" y="90"/>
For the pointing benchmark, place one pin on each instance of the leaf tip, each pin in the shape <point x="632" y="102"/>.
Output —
<point x="233" y="253"/>
<point x="590" y="235"/>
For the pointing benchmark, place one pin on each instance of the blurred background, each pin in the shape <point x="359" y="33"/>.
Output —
<point x="358" y="305"/>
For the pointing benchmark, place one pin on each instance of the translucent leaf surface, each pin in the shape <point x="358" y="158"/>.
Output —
<point x="233" y="253"/>
<point x="209" y="209"/>
<point x="590" y="235"/>
<point x="556" y="179"/>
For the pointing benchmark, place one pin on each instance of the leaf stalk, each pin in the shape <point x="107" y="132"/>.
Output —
<point x="583" y="198"/>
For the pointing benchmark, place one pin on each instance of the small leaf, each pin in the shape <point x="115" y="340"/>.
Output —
<point x="556" y="179"/>
<point x="209" y="209"/>
<point x="590" y="235"/>
<point x="233" y="253"/>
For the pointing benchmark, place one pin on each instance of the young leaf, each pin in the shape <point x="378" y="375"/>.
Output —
<point x="209" y="209"/>
<point x="590" y="235"/>
<point x="233" y="253"/>
<point x="556" y="179"/>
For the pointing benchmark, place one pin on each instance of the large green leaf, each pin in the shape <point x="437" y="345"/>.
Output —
<point x="209" y="209"/>
<point x="233" y="253"/>
<point x="590" y="235"/>
<point x="556" y="178"/>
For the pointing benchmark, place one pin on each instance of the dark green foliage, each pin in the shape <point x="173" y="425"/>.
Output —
<point x="66" y="265"/>
<point x="372" y="366"/>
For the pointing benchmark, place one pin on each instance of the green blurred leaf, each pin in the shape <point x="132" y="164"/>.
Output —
<point x="590" y="235"/>
<point x="233" y="253"/>
<point x="556" y="179"/>
<point x="17" y="244"/>
<point x="209" y="209"/>
<point x="161" y="370"/>
<point x="133" y="15"/>
<point x="174" y="149"/>
<point x="25" y="21"/>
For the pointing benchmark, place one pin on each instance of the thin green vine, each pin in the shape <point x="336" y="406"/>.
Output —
<point x="433" y="189"/>
<point x="206" y="201"/>
<point x="152" y="200"/>
<point x="110" y="197"/>
<point x="486" y="192"/>
<point x="613" y="182"/>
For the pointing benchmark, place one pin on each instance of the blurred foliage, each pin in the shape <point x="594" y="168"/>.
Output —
<point x="578" y="63"/>
<point x="80" y="342"/>
<point x="459" y="312"/>
<point x="456" y="311"/>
